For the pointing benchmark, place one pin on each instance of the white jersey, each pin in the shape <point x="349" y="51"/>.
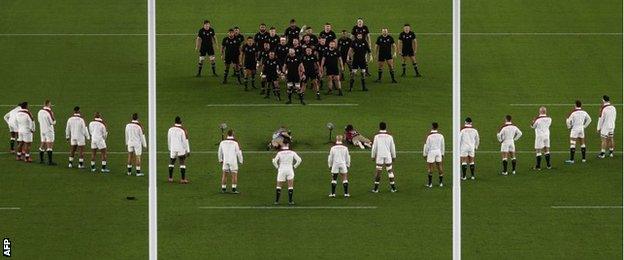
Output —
<point x="177" y="140"/>
<point x="434" y="143"/>
<point x="578" y="119"/>
<point x="134" y="135"/>
<point x="230" y="152"/>
<point x="9" y="115"/>
<point x="606" y="119"/>
<point x="468" y="138"/>
<point x="286" y="160"/>
<point x="508" y="133"/>
<point x="23" y="121"/>
<point x="541" y="124"/>
<point x="46" y="119"/>
<point x="383" y="146"/>
<point x="76" y="129"/>
<point x="339" y="155"/>
<point x="98" y="130"/>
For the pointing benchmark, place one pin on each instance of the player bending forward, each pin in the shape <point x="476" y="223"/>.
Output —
<point x="12" y="128"/>
<point x="46" y="119"/>
<point x="383" y="153"/>
<point x="230" y="155"/>
<point x="577" y="121"/>
<point x="468" y="144"/>
<point x="76" y="133"/>
<point x="606" y="126"/>
<point x="433" y="151"/>
<point x="135" y="141"/>
<point x="283" y="162"/>
<point x="507" y="135"/>
<point x="179" y="148"/>
<point x="99" y="133"/>
<point x="541" y="124"/>
<point x="25" y="125"/>
<point x="339" y="162"/>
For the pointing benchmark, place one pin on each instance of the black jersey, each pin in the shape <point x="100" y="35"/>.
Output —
<point x="360" y="30"/>
<point x="263" y="55"/>
<point x="240" y="38"/>
<point x="292" y="33"/>
<point x="331" y="58"/>
<point x="273" y="41"/>
<point x="260" y="38"/>
<point x="309" y="64"/>
<point x="298" y="50"/>
<point x="329" y="36"/>
<point x="321" y="50"/>
<point x="270" y="66"/>
<point x="281" y="51"/>
<point x="406" y="40"/>
<point x="250" y="53"/>
<point x="292" y="68"/>
<point x="231" y="46"/>
<point x="344" y="43"/>
<point x="308" y="44"/>
<point x="313" y="39"/>
<point x="385" y="44"/>
<point x="206" y="36"/>
<point x="360" y="48"/>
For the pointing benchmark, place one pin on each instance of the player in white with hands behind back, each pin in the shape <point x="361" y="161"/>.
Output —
<point x="606" y="127"/>
<point x="135" y="141"/>
<point x="383" y="153"/>
<point x="286" y="161"/>
<point x="179" y="148"/>
<point x="468" y="144"/>
<point x="433" y="151"/>
<point x="541" y="124"/>
<point x="99" y="133"/>
<point x="577" y="121"/>
<point x="507" y="135"/>
<point x="76" y="133"/>
<point x="46" y="119"/>
<point x="339" y="162"/>
<point x="230" y="155"/>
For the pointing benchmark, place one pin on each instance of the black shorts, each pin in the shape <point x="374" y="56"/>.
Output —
<point x="311" y="76"/>
<point x="231" y="59"/>
<point x="358" y="64"/>
<point x="250" y="65"/>
<point x="206" y="51"/>
<point x="271" y="77"/>
<point x="384" y="56"/>
<point x="331" y="71"/>
<point x="293" y="78"/>
<point x="407" y="52"/>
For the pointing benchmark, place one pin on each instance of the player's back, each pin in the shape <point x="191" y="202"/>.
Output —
<point x="541" y="124"/>
<point x="228" y="150"/>
<point x="75" y="127"/>
<point x="134" y="133"/>
<point x="23" y="121"/>
<point x="509" y="133"/>
<point x="435" y="141"/>
<point x="608" y="115"/>
<point x="97" y="128"/>
<point x="383" y="145"/>
<point x="287" y="159"/>
<point x="578" y="119"/>
<point x="339" y="154"/>
<point x="468" y="137"/>
<point x="46" y="120"/>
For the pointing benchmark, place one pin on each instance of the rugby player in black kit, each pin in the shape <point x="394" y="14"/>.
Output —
<point x="205" y="43"/>
<point x="358" y="52"/>
<point x="331" y="63"/>
<point x="230" y="51"/>
<point x="261" y="36"/>
<point x="327" y="33"/>
<point x="249" y="56"/>
<point x="292" y="32"/>
<point x="384" y="47"/>
<point x="408" y="45"/>
<point x="294" y="70"/>
<point x="344" y="43"/>
<point x="311" y="66"/>
<point x="360" y="28"/>
<point x="270" y="68"/>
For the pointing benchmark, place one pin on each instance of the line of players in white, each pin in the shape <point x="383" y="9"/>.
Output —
<point x="22" y="127"/>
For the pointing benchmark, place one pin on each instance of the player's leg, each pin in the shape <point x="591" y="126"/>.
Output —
<point x="227" y="70"/>
<point x="337" y="83"/>
<point x="390" y="171"/>
<point x="390" y="63"/>
<point x="137" y="161"/>
<point x="377" y="177"/>
<point x="352" y="79"/>
<point x="183" y="179"/>
<point x="130" y="161"/>
<point x="278" y="190"/>
<point x="538" y="159"/>
<point x="440" y="167"/>
<point x="81" y="156"/>
<point x="512" y="154"/>
<point x="380" y="67"/>
<point x="93" y="155"/>
<point x="289" y="91"/>
<point x="611" y="144"/>
<point x="363" y="79"/>
<point x="415" y="65"/>
<point x="200" y="64"/>
<point x="330" y="85"/>
<point x="317" y="88"/>
<point x="213" y="64"/>
<point x="49" y="149"/>
<point x="42" y="147"/>
<point x="334" y="183"/>
<point x="276" y="90"/>
<point x="224" y="173"/>
<point x="583" y="149"/>
<point x="546" y="152"/>
<point x="27" y="151"/>
<point x="429" y="175"/>
<point x="300" y="91"/>
<point x="238" y="71"/>
<point x="464" y="166"/>
<point x="572" y="150"/>
<point x="291" y="190"/>
<point x="234" y="175"/>
<point x="247" y="74"/>
<point x="19" y="148"/>
<point x="12" y="141"/>
<point x="403" y="65"/>
<point x="504" y="156"/>
<point x="471" y="164"/>
<point x="345" y="183"/>
<point x="72" y="152"/>
<point x="172" y="160"/>
<point x="104" y="156"/>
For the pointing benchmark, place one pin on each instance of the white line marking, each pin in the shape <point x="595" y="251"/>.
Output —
<point x="289" y="207"/>
<point x="30" y="105"/>
<point x="374" y="33"/>
<point x="284" y="105"/>
<point x="10" y="208"/>
<point x="586" y="207"/>
<point x="558" y="105"/>
<point x="327" y="151"/>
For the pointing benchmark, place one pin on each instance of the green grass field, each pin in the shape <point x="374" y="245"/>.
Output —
<point x="512" y="216"/>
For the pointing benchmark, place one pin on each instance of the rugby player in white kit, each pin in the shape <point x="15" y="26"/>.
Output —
<point x="433" y="151"/>
<point x="76" y="133"/>
<point x="606" y="126"/>
<point x="507" y="135"/>
<point x="577" y="121"/>
<point x="25" y="125"/>
<point x="99" y="133"/>
<point x="179" y="148"/>
<point x="286" y="161"/>
<point x="468" y="144"/>
<point x="383" y="153"/>
<point x="46" y="119"/>
<point x="339" y="162"/>
<point x="230" y="155"/>
<point x="135" y="141"/>
<point x="541" y="124"/>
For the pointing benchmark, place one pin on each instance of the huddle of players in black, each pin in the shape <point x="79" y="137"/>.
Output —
<point x="301" y="58"/>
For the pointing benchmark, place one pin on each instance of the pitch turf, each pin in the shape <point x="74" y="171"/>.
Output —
<point x="512" y="216"/>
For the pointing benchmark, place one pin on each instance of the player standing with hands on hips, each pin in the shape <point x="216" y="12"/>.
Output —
<point x="577" y="121"/>
<point x="283" y="162"/>
<point x="507" y="135"/>
<point x="135" y="141"/>
<point x="468" y="144"/>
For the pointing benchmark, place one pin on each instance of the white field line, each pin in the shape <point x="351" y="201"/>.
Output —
<point x="586" y="207"/>
<point x="374" y="33"/>
<point x="571" y="105"/>
<point x="10" y="208"/>
<point x="287" y="207"/>
<point x="284" y="105"/>
<point x="321" y="152"/>
<point x="30" y="105"/>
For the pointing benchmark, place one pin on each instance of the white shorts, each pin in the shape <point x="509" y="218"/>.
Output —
<point x="508" y="147"/>
<point x="467" y="151"/>
<point x="98" y="144"/>
<point x="176" y="154"/>
<point x="434" y="156"/>
<point x="339" y="168"/>
<point x="577" y="133"/>
<point x="284" y="175"/>
<point x="230" y="167"/>
<point x="26" y="137"/>
<point x="47" y="137"/>
<point x="136" y="149"/>
<point x="383" y="160"/>
<point x="78" y="142"/>
<point x="542" y="141"/>
<point x="604" y="133"/>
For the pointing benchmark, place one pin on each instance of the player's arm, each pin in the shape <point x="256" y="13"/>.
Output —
<point x="85" y="131"/>
<point x="499" y="136"/>
<point x="220" y="153"/>
<point x="442" y="146"/>
<point x="275" y="161"/>
<point x="399" y="46"/>
<point x="198" y="42"/>
<point x="329" y="158"/>
<point x="239" y="154"/>
<point x="297" y="160"/>
<point x="476" y="140"/>
<point x="587" y="120"/>
<point x="241" y="55"/>
<point x="187" y="145"/>
<point x="127" y="136"/>
<point x="376" y="49"/>
<point x="320" y="69"/>
<point x="374" y="148"/>
<point x="68" y="129"/>
<point x="518" y="134"/>
<point x="7" y="117"/>
<point x="341" y="64"/>
<point x="348" y="158"/>
<point x="415" y="46"/>
<point x="395" y="48"/>
<point x="301" y="71"/>
<point x="392" y="148"/>
<point x="223" y="48"/>
<point x="143" y="140"/>
<point x="32" y="125"/>
<point x="426" y="148"/>
<point x="350" y="54"/>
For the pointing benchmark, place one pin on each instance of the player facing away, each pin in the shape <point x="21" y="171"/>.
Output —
<point x="383" y="153"/>
<point x="270" y="74"/>
<point x="332" y="65"/>
<point x="295" y="72"/>
<point x="468" y="144"/>
<point x="46" y="119"/>
<point x="99" y="133"/>
<point x="386" y="50"/>
<point x="229" y="155"/>
<point x="286" y="161"/>
<point x="230" y="52"/>
<point x="204" y="43"/>
<point x="76" y="133"/>
<point x="577" y="121"/>
<point x="249" y="56"/>
<point x="606" y="127"/>
<point x="358" y="55"/>
<point x="407" y="46"/>
<point x="25" y="125"/>
<point x="339" y="162"/>
<point x="179" y="149"/>
<point x="433" y="152"/>
<point x="12" y="129"/>
<point x="541" y="124"/>
<point x="507" y="135"/>
<point x="135" y="141"/>
<point x="311" y="70"/>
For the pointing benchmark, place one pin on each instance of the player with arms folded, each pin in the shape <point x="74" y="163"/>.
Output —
<point x="577" y="121"/>
<point x="229" y="155"/>
<point x="46" y="119"/>
<point x="468" y="144"/>
<point x="99" y="133"/>
<point x="339" y="162"/>
<point x="606" y="126"/>
<point x="433" y="151"/>
<point x="507" y="135"/>
<point x="383" y="153"/>
<point x="286" y="161"/>
<point x="179" y="149"/>
<point x="135" y="141"/>
<point x="76" y="133"/>
<point x="541" y="124"/>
